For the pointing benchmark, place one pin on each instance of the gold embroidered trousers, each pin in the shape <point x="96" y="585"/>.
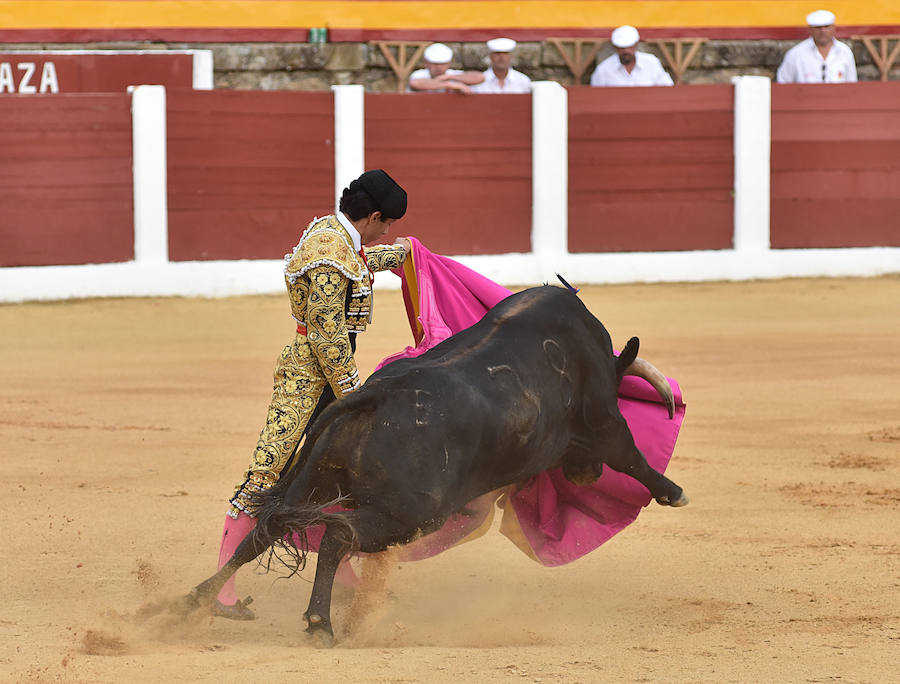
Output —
<point x="330" y="289"/>
<point x="299" y="383"/>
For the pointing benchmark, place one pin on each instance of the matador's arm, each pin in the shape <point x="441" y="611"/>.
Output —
<point x="384" y="257"/>
<point x="327" y="328"/>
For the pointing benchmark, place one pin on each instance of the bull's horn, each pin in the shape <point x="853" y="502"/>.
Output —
<point x="645" y="369"/>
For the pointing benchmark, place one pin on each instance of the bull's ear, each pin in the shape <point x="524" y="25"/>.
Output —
<point x="627" y="357"/>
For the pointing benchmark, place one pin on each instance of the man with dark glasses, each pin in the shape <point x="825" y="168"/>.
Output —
<point x="820" y="58"/>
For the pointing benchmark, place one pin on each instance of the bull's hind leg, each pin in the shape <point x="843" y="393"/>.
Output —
<point x="254" y="544"/>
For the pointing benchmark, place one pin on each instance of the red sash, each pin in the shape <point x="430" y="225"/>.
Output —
<point x="362" y="255"/>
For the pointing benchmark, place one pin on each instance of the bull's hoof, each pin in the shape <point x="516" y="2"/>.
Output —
<point x="319" y="631"/>
<point x="682" y="500"/>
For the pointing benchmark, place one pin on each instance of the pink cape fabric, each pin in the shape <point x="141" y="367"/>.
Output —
<point x="550" y="519"/>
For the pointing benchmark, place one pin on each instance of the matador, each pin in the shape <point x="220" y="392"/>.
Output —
<point x="329" y="282"/>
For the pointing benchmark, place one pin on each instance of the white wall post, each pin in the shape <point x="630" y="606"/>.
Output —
<point x="151" y="212"/>
<point x="203" y="70"/>
<point x="349" y="136"/>
<point x="549" y="170"/>
<point x="752" y="162"/>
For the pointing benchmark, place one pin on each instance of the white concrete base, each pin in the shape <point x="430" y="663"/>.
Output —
<point x="700" y="266"/>
<point x="231" y="278"/>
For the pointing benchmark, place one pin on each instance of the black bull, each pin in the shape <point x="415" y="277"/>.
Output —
<point x="529" y="387"/>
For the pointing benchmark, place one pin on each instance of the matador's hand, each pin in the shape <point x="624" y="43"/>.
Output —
<point x="405" y="244"/>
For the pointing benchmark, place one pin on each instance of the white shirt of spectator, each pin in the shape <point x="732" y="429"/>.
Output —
<point x="515" y="82"/>
<point x="803" y="63"/>
<point x="424" y="73"/>
<point x="648" y="71"/>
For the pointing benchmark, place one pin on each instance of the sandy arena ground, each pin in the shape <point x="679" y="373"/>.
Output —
<point x="125" y="424"/>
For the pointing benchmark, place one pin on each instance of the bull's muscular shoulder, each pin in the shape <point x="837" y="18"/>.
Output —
<point x="324" y="242"/>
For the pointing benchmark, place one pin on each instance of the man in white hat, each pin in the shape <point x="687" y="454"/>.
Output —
<point x="438" y="77"/>
<point x="501" y="77"/>
<point x="628" y="67"/>
<point x="820" y="58"/>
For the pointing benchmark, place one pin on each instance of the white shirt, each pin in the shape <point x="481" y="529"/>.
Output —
<point x="647" y="71"/>
<point x="424" y="73"/>
<point x="515" y="82"/>
<point x="803" y="63"/>
<point x="351" y="229"/>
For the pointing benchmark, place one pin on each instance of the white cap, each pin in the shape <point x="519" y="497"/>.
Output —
<point x="501" y="45"/>
<point x="438" y="53"/>
<point x="625" y="36"/>
<point x="820" y="18"/>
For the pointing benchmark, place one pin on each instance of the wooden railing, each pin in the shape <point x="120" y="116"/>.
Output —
<point x="402" y="56"/>
<point x="883" y="55"/>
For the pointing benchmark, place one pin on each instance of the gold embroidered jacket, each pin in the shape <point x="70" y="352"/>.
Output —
<point x="330" y="289"/>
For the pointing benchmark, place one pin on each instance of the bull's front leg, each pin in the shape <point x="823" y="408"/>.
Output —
<point x="203" y="594"/>
<point x="666" y="492"/>
<point x="632" y="462"/>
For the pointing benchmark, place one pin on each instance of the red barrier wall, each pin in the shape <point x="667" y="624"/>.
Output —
<point x="836" y="165"/>
<point x="65" y="180"/>
<point x="247" y="171"/>
<point x="465" y="163"/>
<point x="54" y="72"/>
<point x="651" y="169"/>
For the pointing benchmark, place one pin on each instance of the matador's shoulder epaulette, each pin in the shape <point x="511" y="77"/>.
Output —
<point x="324" y="242"/>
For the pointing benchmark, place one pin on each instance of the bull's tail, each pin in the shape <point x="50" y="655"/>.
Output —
<point x="286" y="524"/>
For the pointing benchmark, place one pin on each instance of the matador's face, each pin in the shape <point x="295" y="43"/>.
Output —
<point x="374" y="227"/>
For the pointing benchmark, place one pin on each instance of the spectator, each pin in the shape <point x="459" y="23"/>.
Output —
<point x="819" y="58"/>
<point x="438" y="77"/>
<point x="501" y="77"/>
<point x="628" y="67"/>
